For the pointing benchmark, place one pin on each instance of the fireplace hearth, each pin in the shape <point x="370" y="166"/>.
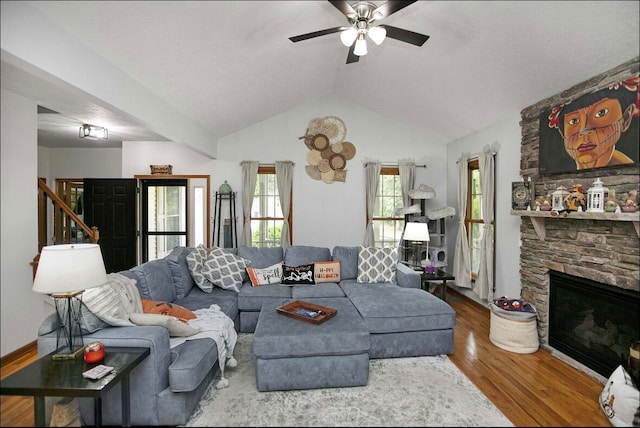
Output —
<point x="591" y="322"/>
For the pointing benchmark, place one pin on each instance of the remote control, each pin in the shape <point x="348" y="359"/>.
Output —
<point x="97" y="372"/>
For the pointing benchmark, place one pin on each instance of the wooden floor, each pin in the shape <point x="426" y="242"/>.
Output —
<point x="530" y="389"/>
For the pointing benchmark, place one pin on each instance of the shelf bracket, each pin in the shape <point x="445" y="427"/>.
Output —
<point x="538" y="225"/>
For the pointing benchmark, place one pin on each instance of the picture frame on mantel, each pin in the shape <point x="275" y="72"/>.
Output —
<point x="596" y="130"/>
<point x="520" y="195"/>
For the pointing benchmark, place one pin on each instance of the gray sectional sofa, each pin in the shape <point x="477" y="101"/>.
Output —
<point x="402" y="321"/>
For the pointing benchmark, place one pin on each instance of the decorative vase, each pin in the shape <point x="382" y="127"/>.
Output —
<point x="224" y="189"/>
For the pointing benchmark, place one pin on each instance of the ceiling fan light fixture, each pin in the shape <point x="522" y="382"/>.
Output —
<point x="377" y="34"/>
<point x="349" y="36"/>
<point x="361" y="46"/>
<point x="93" y="132"/>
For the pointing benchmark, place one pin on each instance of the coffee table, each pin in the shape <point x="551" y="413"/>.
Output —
<point x="47" y="377"/>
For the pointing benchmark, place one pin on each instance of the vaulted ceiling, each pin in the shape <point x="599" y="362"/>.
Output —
<point x="228" y="64"/>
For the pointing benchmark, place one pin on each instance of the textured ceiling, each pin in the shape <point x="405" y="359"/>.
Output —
<point x="229" y="64"/>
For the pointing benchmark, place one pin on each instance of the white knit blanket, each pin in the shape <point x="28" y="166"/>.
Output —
<point x="214" y="324"/>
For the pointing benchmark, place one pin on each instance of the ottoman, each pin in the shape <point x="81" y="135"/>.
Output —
<point x="294" y="354"/>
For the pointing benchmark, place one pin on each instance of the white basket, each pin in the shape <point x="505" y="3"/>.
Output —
<point x="519" y="336"/>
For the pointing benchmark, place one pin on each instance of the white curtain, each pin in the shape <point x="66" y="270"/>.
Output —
<point x="407" y="170"/>
<point x="249" y="177"/>
<point x="371" y="177"/>
<point x="284" y="180"/>
<point x="461" y="258"/>
<point x="484" y="283"/>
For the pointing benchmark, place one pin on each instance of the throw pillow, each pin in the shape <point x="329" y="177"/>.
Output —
<point x="175" y="326"/>
<point x="195" y="261"/>
<point x="327" y="271"/>
<point x="166" y="308"/>
<point x="269" y="275"/>
<point x="377" y="264"/>
<point x="225" y="270"/>
<point x="620" y="398"/>
<point x="297" y="275"/>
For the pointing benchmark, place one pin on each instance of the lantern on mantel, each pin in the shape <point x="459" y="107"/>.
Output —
<point x="596" y="197"/>
<point x="558" y="202"/>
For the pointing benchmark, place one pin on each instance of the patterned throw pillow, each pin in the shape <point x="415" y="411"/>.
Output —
<point x="195" y="261"/>
<point x="327" y="271"/>
<point x="297" y="275"/>
<point x="268" y="275"/>
<point x="225" y="270"/>
<point x="377" y="264"/>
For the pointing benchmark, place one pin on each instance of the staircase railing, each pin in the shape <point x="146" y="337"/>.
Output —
<point x="91" y="232"/>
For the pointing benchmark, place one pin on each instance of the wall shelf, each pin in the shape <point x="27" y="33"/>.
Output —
<point x="538" y="218"/>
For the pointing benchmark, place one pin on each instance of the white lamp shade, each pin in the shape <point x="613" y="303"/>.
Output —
<point x="361" y="46"/>
<point x="415" y="231"/>
<point x="69" y="268"/>
<point x="349" y="36"/>
<point x="377" y="34"/>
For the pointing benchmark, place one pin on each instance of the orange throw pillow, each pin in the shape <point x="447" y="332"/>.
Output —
<point x="166" y="308"/>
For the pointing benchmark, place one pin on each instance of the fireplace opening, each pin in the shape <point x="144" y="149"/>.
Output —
<point x="593" y="323"/>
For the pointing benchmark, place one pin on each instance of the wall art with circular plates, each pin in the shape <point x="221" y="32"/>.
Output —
<point x="328" y="150"/>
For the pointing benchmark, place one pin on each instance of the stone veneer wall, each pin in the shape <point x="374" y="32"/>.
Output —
<point x="600" y="250"/>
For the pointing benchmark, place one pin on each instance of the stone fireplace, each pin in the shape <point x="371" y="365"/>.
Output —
<point x="598" y="251"/>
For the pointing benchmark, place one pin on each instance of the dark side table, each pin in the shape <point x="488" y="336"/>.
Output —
<point x="47" y="377"/>
<point x="439" y="276"/>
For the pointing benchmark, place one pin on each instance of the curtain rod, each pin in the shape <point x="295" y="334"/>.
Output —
<point x="388" y="164"/>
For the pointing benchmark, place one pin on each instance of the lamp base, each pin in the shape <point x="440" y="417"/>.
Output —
<point x="65" y="354"/>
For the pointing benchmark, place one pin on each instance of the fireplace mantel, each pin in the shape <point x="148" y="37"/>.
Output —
<point x="538" y="218"/>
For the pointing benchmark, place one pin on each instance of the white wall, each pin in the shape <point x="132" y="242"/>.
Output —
<point x="334" y="214"/>
<point x="505" y="135"/>
<point x="22" y="310"/>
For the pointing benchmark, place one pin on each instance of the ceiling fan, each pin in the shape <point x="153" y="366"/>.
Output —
<point x="361" y="16"/>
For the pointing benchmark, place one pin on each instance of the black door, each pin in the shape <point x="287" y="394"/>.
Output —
<point x="110" y="204"/>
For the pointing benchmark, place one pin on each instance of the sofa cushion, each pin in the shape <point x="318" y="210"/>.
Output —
<point x="297" y="255"/>
<point x="298" y="275"/>
<point x="261" y="257"/>
<point x="227" y="300"/>
<point x="328" y="289"/>
<point x="195" y="261"/>
<point x="251" y="298"/>
<point x="191" y="361"/>
<point x="377" y="264"/>
<point x="182" y="279"/>
<point x="225" y="270"/>
<point x="154" y="280"/>
<point x="386" y="308"/>
<point x="326" y="271"/>
<point x="348" y="257"/>
<point x="268" y="275"/>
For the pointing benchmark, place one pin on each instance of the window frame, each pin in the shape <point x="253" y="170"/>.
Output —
<point x="388" y="171"/>
<point x="474" y="165"/>
<point x="271" y="170"/>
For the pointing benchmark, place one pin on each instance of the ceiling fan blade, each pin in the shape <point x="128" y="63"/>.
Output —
<point x="344" y="7"/>
<point x="389" y="8"/>
<point x="351" y="57"/>
<point x="405" y="35"/>
<point x="317" y="34"/>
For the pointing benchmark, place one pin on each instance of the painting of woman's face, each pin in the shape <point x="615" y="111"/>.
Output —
<point x="591" y="133"/>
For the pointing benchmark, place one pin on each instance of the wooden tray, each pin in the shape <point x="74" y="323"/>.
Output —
<point x="306" y="311"/>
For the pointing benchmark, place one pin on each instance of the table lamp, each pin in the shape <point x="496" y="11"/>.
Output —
<point x="64" y="272"/>
<point x="417" y="233"/>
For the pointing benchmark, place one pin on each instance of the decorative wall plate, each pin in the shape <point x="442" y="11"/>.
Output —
<point x="328" y="152"/>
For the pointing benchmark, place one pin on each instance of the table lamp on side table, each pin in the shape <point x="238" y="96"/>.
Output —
<point x="64" y="272"/>
<point x="417" y="233"/>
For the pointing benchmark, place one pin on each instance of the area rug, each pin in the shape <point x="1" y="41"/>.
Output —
<point x="420" y="391"/>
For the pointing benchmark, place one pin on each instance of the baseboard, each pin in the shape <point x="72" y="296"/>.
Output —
<point x="469" y="299"/>
<point x="26" y="350"/>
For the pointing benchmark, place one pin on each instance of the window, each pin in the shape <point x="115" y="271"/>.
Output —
<point x="266" y="213"/>
<point x="164" y="217"/>
<point x="387" y="227"/>
<point x="473" y="218"/>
